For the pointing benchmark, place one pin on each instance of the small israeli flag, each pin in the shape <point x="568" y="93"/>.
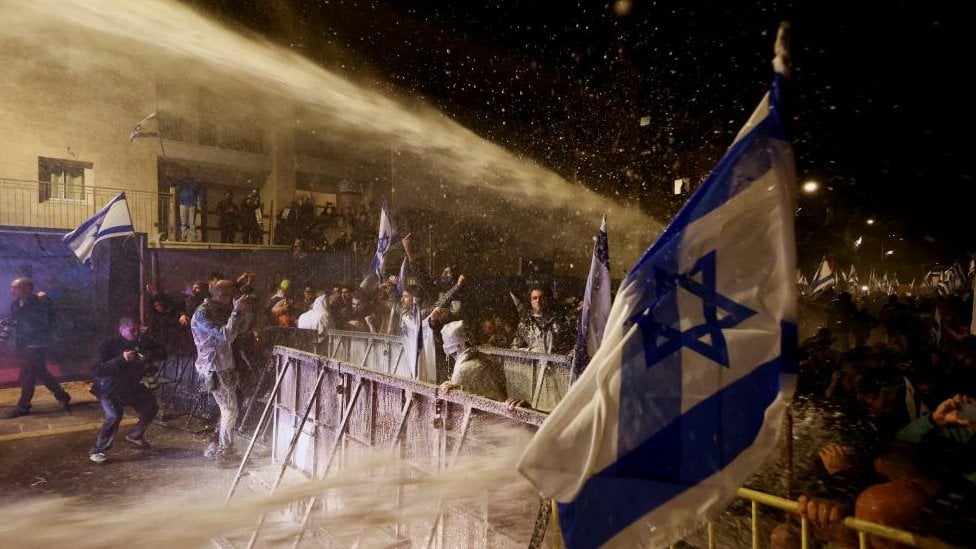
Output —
<point x="385" y="238"/>
<point x="110" y="221"/>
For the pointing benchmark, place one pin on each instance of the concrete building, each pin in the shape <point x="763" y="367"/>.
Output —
<point x="68" y="144"/>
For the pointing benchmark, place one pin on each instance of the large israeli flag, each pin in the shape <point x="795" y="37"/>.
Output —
<point x="110" y="221"/>
<point x="685" y="397"/>
<point x="592" y="322"/>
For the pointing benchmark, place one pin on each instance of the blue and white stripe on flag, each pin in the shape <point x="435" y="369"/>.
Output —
<point x="823" y="278"/>
<point x="110" y="221"/>
<point x="385" y="238"/>
<point x="685" y="397"/>
<point x="596" y="303"/>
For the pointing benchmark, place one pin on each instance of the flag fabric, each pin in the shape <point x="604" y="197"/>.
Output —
<point x="954" y="278"/>
<point x="874" y="285"/>
<point x="596" y="303"/>
<point x="853" y="284"/>
<point x="802" y="284"/>
<point x="410" y="330"/>
<point x="402" y="277"/>
<point x="387" y="235"/>
<point x="142" y="128"/>
<point x="684" y="399"/>
<point x="824" y="277"/>
<point x="110" y="221"/>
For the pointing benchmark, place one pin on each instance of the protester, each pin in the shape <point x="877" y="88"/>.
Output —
<point x="543" y="329"/>
<point x="474" y="372"/>
<point x="120" y="362"/>
<point x="190" y="198"/>
<point x="228" y="215"/>
<point x="32" y="318"/>
<point x="215" y="325"/>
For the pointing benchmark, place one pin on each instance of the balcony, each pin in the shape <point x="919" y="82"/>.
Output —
<point x="41" y="205"/>
<point x="38" y="204"/>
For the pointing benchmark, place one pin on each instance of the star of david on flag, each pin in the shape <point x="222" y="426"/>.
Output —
<point x="706" y="338"/>
<point x="684" y="399"/>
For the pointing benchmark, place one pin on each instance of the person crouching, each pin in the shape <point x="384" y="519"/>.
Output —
<point x="119" y="365"/>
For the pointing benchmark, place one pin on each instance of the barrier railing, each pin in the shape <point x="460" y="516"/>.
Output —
<point x="325" y="411"/>
<point x="42" y="204"/>
<point x="539" y="379"/>
<point x="33" y="204"/>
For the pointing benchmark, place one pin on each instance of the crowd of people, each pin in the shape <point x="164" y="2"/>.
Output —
<point x="301" y="224"/>
<point x="884" y="417"/>
<point x="884" y="411"/>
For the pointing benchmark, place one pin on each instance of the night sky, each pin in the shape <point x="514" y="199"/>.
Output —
<point x="881" y="112"/>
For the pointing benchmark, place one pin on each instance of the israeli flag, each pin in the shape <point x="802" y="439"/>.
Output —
<point x="824" y="277"/>
<point x="596" y="303"/>
<point x="402" y="277"/>
<point x="110" y="221"/>
<point x="685" y="397"/>
<point x="386" y="237"/>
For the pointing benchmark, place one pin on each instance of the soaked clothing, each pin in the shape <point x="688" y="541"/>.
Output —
<point x="317" y="318"/>
<point x="480" y="375"/>
<point x="545" y="333"/>
<point x="215" y="328"/>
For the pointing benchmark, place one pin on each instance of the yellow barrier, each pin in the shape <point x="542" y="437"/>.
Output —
<point x="862" y="527"/>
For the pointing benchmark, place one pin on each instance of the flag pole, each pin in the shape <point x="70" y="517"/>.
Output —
<point x="142" y="280"/>
<point x="430" y="252"/>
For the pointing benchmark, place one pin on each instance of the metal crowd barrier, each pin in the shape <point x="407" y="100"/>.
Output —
<point x="325" y="411"/>
<point x="539" y="379"/>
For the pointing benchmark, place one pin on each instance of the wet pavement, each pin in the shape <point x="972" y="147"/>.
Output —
<point x="46" y="453"/>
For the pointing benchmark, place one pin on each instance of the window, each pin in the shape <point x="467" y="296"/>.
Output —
<point x="63" y="179"/>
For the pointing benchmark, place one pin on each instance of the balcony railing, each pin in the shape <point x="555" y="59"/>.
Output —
<point x="31" y="204"/>
<point x="25" y="203"/>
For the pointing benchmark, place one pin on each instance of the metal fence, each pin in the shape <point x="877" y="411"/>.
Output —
<point x="33" y="204"/>
<point x="539" y="379"/>
<point x="324" y="413"/>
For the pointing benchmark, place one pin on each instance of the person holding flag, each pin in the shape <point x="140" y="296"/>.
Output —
<point x="685" y="396"/>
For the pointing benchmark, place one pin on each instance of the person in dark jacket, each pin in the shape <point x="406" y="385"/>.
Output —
<point x="118" y="368"/>
<point x="32" y="319"/>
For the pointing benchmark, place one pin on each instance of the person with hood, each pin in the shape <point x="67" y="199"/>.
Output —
<point x="474" y="372"/>
<point x="317" y="318"/>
